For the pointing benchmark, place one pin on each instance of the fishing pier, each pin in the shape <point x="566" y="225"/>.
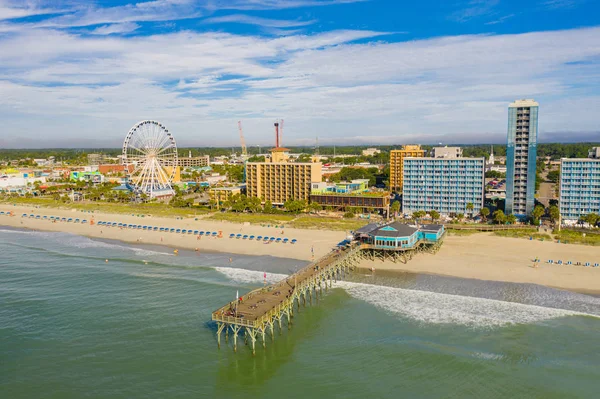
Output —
<point x="263" y="310"/>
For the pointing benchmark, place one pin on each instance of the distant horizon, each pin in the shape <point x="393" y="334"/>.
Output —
<point x="267" y="147"/>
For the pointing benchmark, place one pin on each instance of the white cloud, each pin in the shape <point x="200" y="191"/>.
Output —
<point x="250" y="20"/>
<point x="12" y="9"/>
<point x="200" y="84"/>
<point x="125" y="27"/>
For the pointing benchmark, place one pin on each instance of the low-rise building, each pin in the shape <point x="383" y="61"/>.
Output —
<point x="203" y="160"/>
<point x="90" y="177"/>
<point x="352" y="194"/>
<point x="579" y="187"/>
<point x="219" y="195"/>
<point x="95" y="159"/>
<point x="369" y="152"/>
<point x="399" y="236"/>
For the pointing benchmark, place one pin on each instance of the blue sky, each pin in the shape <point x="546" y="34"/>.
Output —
<point x="81" y="73"/>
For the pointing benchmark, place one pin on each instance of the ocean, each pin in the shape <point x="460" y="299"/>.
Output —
<point x="138" y="326"/>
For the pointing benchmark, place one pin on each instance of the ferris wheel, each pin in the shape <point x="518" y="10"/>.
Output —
<point x="150" y="156"/>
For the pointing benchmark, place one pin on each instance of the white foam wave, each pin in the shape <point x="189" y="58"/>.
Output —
<point x="437" y="308"/>
<point x="249" y="276"/>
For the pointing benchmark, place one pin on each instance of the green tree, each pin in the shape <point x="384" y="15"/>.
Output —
<point x="395" y="207"/>
<point x="537" y="213"/>
<point x="554" y="213"/>
<point x="313" y="207"/>
<point x="470" y="208"/>
<point x="460" y="216"/>
<point x="511" y="219"/>
<point x="592" y="219"/>
<point x="435" y="215"/>
<point x="268" y="207"/>
<point x="418" y="214"/>
<point x="295" y="206"/>
<point x="484" y="212"/>
<point x="553" y="176"/>
<point x="499" y="217"/>
<point x="254" y="204"/>
<point x="495" y="174"/>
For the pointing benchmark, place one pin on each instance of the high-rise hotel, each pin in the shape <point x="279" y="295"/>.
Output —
<point x="580" y="186"/>
<point x="447" y="184"/>
<point x="521" y="156"/>
<point x="278" y="180"/>
<point x="397" y="163"/>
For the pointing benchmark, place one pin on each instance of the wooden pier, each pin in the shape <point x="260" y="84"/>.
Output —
<point x="262" y="310"/>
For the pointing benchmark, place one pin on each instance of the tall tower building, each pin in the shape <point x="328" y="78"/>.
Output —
<point x="521" y="156"/>
<point x="396" y="164"/>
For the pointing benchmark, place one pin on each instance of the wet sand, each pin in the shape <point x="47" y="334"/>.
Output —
<point x="487" y="257"/>
<point x="479" y="256"/>
<point x="308" y="240"/>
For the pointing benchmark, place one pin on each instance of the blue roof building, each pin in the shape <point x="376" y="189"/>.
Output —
<point x="397" y="236"/>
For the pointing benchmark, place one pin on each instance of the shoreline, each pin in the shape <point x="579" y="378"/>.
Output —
<point x="480" y="256"/>
<point x="309" y="242"/>
<point x="395" y="273"/>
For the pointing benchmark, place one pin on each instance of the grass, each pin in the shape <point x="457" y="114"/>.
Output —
<point x="321" y="223"/>
<point x="466" y="232"/>
<point x="255" y="218"/>
<point x="576" y="237"/>
<point x="521" y="233"/>
<point x="154" y="209"/>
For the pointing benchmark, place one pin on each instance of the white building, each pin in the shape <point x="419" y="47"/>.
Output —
<point x="369" y="152"/>
<point x="447" y="152"/>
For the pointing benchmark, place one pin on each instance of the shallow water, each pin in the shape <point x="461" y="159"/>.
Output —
<point x="73" y="325"/>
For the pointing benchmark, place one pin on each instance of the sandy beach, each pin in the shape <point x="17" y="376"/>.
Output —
<point x="487" y="257"/>
<point x="321" y="241"/>
<point x="480" y="256"/>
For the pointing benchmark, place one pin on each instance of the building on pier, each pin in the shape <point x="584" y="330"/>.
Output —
<point x="399" y="236"/>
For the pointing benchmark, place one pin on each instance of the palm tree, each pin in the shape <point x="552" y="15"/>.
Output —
<point x="470" y="208"/>
<point x="484" y="212"/>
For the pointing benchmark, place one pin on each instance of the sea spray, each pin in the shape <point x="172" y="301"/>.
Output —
<point x="439" y="308"/>
<point x="425" y="306"/>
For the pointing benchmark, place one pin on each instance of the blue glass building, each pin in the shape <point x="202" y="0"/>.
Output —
<point x="579" y="188"/>
<point x="521" y="156"/>
<point x="446" y="185"/>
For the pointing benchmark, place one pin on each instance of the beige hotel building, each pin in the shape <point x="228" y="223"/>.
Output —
<point x="278" y="180"/>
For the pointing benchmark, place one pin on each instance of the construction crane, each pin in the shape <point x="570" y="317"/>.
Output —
<point x="244" y="150"/>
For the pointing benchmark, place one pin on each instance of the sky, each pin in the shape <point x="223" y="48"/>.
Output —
<point x="82" y="73"/>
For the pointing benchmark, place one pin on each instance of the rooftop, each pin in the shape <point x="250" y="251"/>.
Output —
<point x="524" y="103"/>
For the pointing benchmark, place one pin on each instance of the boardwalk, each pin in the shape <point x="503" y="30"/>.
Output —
<point x="261" y="310"/>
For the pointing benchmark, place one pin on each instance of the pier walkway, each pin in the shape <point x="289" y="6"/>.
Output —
<point x="261" y="310"/>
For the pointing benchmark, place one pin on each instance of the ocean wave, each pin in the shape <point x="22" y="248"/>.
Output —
<point x="249" y="276"/>
<point x="437" y="308"/>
